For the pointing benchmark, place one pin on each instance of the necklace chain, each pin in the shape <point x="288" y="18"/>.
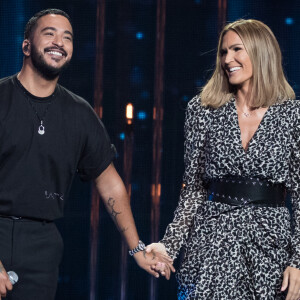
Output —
<point x="41" y="128"/>
<point x="246" y="114"/>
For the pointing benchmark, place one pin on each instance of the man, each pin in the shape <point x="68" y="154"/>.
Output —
<point x="47" y="134"/>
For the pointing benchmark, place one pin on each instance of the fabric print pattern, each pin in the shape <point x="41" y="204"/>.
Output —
<point x="235" y="252"/>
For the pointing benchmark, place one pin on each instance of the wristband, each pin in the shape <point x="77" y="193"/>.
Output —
<point x="140" y="247"/>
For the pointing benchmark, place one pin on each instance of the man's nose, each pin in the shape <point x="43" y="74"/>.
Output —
<point x="58" y="40"/>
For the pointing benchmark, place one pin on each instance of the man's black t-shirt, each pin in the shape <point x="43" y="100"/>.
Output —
<point x="36" y="171"/>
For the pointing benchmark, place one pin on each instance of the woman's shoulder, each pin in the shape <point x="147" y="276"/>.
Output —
<point x="195" y="107"/>
<point x="290" y="107"/>
<point x="290" y="111"/>
<point x="289" y="104"/>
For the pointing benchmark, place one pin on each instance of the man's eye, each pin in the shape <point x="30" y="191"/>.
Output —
<point x="49" y="33"/>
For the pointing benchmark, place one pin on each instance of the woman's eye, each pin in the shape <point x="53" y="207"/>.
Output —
<point x="237" y="49"/>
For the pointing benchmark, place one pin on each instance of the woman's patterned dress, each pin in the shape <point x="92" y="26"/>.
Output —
<point x="234" y="252"/>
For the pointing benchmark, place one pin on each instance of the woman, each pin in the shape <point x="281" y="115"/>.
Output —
<point x="242" y="152"/>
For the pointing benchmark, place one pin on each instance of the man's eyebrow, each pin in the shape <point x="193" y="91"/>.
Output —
<point x="54" y="29"/>
<point x="69" y="32"/>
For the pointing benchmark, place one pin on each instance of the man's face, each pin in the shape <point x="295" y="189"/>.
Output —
<point x="51" y="45"/>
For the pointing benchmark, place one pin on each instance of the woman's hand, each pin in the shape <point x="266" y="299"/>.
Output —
<point x="148" y="261"/>
<point x="161" y="267"/>
<point x="291" y="279"/>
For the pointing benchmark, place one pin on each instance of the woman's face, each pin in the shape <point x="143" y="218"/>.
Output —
<point x="235" y="60"/>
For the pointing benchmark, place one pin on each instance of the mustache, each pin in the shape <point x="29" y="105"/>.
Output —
<point x="56" y="48"/>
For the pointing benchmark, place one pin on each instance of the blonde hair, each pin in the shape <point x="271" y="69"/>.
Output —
<point x="268" y="83"/>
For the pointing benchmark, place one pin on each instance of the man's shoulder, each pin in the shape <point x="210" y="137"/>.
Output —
<point x="71" y="97"/>
<point x="64" y="92"/>
<point x="75" y="104"/>
<point x="6" y="81"/>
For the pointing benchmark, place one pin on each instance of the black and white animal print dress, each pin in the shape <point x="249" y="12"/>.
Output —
<point x="234" y="252"/>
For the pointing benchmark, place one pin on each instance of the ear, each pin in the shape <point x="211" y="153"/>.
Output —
<point x="26" y="47"/>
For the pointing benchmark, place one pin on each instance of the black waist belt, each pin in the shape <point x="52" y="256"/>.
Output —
<point x="242" y="191"/>
<point x="24" y="218"/>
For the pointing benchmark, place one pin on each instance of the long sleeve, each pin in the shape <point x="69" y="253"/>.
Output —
<point x="295" y="191"/>
<point x="193" y="192"/>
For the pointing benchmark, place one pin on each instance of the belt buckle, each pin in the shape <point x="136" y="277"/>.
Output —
<point x="245" y="201"/>
<point x="15" y="218"/>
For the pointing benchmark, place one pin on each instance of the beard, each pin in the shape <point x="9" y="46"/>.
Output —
<point x="46" y="71"/>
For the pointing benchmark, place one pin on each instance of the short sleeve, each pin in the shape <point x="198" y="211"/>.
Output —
<point x="97" y="150"/>
<point x="193" y="192"/>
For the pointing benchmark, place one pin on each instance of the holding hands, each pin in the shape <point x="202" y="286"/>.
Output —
<point x="155" y="260"/>
<point x="161" y="267"/>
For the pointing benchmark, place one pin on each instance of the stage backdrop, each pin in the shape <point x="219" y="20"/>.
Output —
<point x="156" y="54"/>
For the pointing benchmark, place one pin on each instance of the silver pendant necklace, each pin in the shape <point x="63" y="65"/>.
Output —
<point x="41" y="128"/>
<point x="247" y="115"/>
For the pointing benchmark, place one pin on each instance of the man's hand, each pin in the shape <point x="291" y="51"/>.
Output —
<point x="148" y="262"/>
<point x="160" y="267"/>
<point x="291" y="279"/>
<point x="5" y="284"/>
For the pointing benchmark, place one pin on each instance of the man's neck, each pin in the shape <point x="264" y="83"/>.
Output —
<point x="35" y="84"/>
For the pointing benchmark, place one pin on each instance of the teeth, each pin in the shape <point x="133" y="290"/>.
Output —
<point x="234" y="69"/>
<point x="55" y="53"/>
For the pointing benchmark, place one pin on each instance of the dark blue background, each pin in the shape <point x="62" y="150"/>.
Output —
<point x="190" y="49"/>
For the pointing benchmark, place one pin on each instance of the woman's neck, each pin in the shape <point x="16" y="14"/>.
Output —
<point x="244" y="99"/>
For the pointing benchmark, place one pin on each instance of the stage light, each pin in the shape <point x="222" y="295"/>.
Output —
<point x="122" y="136"/>
<point x="129" y="113"/>
<point x="141" y="115"/>
<point x="185" y="98"/>
<point x="139" y="35"/>
<point x="289" y="21"/>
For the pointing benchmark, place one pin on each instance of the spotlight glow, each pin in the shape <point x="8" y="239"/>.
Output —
<point x="289" y="21"/>
<point x="139" y="35"/>
<point x="141" y="115"/>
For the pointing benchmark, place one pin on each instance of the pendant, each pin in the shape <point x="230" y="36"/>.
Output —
<point x="41" y="130"/>
<point x="247" y="115"/>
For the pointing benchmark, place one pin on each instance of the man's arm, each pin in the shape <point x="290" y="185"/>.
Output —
<point x="113" y="192"/>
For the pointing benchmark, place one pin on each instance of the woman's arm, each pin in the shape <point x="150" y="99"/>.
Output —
<point x="193" y="191"/>
<point x="291" y="276"/>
